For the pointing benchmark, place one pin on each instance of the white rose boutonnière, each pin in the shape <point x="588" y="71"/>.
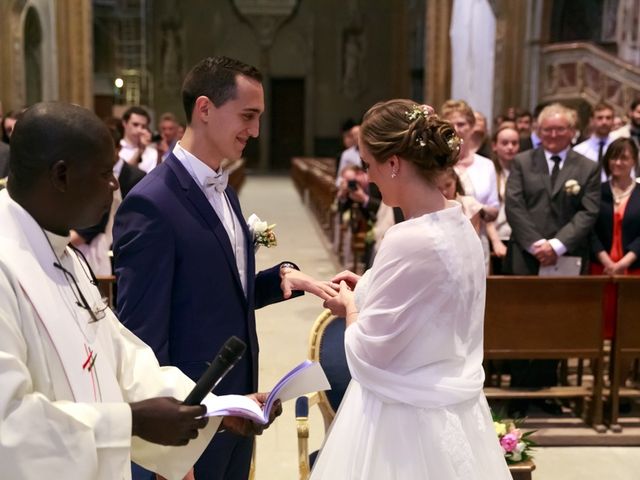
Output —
<point x="261" y="232"/>
<point x="572" y="187"/>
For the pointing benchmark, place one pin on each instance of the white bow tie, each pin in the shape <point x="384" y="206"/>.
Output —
<point x="219" y="182"/>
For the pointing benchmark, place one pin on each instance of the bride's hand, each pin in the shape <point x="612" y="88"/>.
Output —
<point x="347" y="276"/>
<point x="338" y="304"/>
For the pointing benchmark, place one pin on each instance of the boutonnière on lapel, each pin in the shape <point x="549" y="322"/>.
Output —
<point x="261" y="232"/>
<point x="572" y="187"/>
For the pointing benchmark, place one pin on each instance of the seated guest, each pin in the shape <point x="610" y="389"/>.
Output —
<point x="505" y="147"/>
<point x="615" y="241"/>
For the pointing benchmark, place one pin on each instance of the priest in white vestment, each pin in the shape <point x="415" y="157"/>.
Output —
<point x="79" y="393"/>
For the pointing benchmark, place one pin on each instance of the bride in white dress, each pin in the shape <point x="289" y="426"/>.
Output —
<point x="415" y="408"/>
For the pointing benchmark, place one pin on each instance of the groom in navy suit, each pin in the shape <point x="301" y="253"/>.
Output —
<point x="184" y="256"/>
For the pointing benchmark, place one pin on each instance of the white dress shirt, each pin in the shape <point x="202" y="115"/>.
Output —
<point x="148" y="160"/>
<point x="199" y="171"/>
<point x="556" y="244"/>
<point x="590" y="148"/>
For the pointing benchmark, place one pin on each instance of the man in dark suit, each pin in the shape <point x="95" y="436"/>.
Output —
<point x="184" y="255"/>
<point x="552" y="201"/>
<point x="552" y="197"/>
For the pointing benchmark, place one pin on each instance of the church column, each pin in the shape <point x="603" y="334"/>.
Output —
<point x="75" y="52"/>
<point x="438" y="52"/>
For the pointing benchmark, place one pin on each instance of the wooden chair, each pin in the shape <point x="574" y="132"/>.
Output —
<point x="326" y="345"/>
<point x="105" y="285"/>
<point x="625" y="346"/>
<point x="547" y="318"/>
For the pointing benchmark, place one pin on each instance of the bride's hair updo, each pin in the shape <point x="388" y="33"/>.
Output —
<point x="414" y="133"/>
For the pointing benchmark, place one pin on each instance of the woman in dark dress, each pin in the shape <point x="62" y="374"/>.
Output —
<point x="615" y="242"/>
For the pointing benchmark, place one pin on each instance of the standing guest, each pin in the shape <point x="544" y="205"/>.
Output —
<point x="414" y="322"/>
<point x="550" y="217"/>
<point x="480" y="141"/>
<point x="505" y="147"/>
<point x="596" y="145"/>
<point x="477" y="173"/>
<point x="184" y="255"/>
<point x="532" y="140"/>
<point x="615" y="242"/>
<point x="136" y="146"/>
<point x="524" y="123"/>
<point x="4" y="152"/>
<point x="4" y="160"/>
<point x="79" y="394"/>
<point x="618" y="122"/>
<point x="8" y="122"/>
<point x="631" y="129"/>
<point x="169" y="132"/>
<point x="95" y="242"/>
<point x="552" y="201"/>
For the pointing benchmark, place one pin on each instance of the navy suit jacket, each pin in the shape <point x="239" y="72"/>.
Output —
<point x="178" y="284"/>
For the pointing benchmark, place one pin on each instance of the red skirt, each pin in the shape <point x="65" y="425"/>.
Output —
<point x="609" y="302"/>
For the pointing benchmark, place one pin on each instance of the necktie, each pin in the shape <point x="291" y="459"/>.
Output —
<point x="556" y="169"/>
<point x="218" y="182"/>
<point x="600" y="151"/>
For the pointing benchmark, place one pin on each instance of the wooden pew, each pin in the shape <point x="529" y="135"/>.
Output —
<point x="236" y="171"/>
<point x="547" y="318"/>
<point x="625" y="346"/>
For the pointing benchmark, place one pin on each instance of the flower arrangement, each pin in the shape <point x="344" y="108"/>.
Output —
<point x="261" y="232"/>
<point x="572" y="187"/>
<point x="516" y="445"/>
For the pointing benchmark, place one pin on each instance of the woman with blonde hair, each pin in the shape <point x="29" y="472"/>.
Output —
<point x="415" y="408"/>
<point x="506" y="143"/>
<point x="476" y="172"/>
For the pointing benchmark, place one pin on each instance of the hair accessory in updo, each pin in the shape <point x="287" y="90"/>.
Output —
<point x="418" y="111"/>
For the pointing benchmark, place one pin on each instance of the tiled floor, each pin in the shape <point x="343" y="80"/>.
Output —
<point x="283" y="330"/>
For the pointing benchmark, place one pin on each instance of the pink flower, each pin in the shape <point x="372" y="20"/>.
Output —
<point x="509" y="442"/>
<point x="517" y="432"/>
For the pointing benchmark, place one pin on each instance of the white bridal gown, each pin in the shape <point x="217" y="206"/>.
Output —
<point x="415" y="407"/>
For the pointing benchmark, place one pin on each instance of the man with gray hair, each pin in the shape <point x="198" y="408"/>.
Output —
<point x="552" y="201"/>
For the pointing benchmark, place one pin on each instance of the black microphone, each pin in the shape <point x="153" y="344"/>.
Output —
<point x="227" y="357"/>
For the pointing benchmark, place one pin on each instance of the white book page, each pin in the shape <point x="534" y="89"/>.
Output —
<point x="564" y="267"/>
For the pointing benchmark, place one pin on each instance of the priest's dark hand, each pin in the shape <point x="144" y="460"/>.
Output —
<point x="247" y="428"/>
<point x="166" y="421"/>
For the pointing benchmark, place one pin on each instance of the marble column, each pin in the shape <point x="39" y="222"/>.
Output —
<point x="75" y="51"/>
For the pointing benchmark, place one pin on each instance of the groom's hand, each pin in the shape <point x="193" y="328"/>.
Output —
<point x="292" y="279"/>
<point x="247" y="428"/>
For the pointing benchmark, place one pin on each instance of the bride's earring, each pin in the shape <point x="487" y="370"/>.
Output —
<point x="394" y="173"/>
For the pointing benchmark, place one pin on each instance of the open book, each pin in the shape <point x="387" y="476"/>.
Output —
<point x="305" y="378"/>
